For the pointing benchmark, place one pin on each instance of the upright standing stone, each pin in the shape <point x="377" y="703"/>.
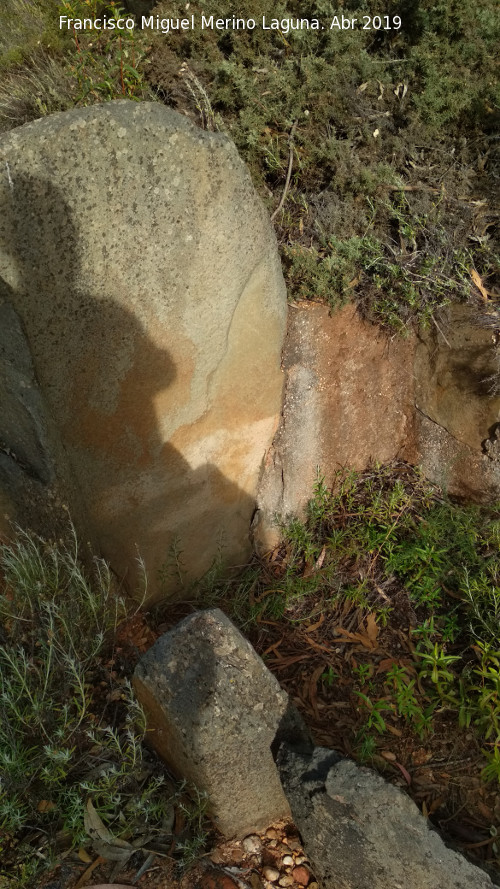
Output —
<point x="141" y="270"/>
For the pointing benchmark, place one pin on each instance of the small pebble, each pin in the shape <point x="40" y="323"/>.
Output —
<point x="286" y="880"/>
<point x="252" y="844"/>
<point x="301" y="875"/>
<point x="388" y="755"/>
<point x="287" y="860"/>
<point x="271" y="874"/>
<point x="271" y="833"/>
<point x="313" y="886"/>
<point x="300" y="859"/>
<point x="216" y="879"/>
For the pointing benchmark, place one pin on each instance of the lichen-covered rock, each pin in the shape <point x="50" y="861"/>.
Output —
<point x="360" y="832"/>
<point x="141" y="272"/>
<point x="214" y="710"/>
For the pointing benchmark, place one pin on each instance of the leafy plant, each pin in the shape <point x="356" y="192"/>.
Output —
<point x="375" y="710"/>
<point x="375" y="537"/>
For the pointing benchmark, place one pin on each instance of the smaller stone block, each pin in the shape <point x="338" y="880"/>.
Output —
<point x="214" y="709"/>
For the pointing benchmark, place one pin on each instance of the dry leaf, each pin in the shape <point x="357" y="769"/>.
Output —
<point x="119" y="850"/>
<point x="320" y="559"/>
<point x="372" y="628"/>
<point x="45" y="805"/>
<point x="363" y="86"/>
<point x="438" y="802"/>
<point x="386" y="664"/>
<point x="355" y="281"/>
<point x="94" y="826"/>
<point x="486" y="812"/>
<point x="388" y="755"/>
<point x="308" y="568"/>
<point x="406" y="775"/>
<point x="105" y="844"/>
<point x="84" y="856"/>
<point x="394" y="731"/>
<point x="365" y="641"/>
<point x="479" y="284"/>
<point x="312" y="627"/>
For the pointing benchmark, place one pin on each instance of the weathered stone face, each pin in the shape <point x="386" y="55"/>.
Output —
<point x="361" y="832"/>
<point x="457" y="411"/>
<point x="144" y="273"/>
<point x="348" y="400"/>
<point x="353" y="395"/>
<point x="213" y="711"/>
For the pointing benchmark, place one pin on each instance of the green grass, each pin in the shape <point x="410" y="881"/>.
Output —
<point x="393" y="143"/>
<point x="45" y="70"/>
<point x="388" y="528"/>
<point x="72" y="762"/>
<point x="394" y="149"/>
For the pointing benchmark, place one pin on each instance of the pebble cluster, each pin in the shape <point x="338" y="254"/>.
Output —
<point x="272" y="860"/>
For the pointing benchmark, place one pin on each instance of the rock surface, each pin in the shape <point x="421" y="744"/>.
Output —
<point x="140" y="274"/>
<point x="362" y="833"/>
<point x="215" y="710"/>
<point x="354" y="395"/>
<point x="457" y="409"/>
<point x="348" y="399"/>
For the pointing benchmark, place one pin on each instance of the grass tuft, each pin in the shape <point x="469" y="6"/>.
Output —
<point x="71" y="731"/>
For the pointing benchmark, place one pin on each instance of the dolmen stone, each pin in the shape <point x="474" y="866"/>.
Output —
<point x="360" y="832"/>
<point x="214" y="710"/>
<point x="141" y="286"/>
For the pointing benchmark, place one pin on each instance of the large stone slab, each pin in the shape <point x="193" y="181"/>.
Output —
<point x="139" y="272"/>
<point x="362" y="833"/>
<point x="214" y="710"/>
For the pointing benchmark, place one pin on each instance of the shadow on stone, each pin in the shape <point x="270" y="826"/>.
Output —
<point x="85" y="391"/>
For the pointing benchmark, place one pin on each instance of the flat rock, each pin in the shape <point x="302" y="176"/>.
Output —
<point x="215" y="710"/>
<point x="362" y="833"/>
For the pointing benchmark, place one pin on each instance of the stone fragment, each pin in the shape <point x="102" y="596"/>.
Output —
<point x="217" y="879"/>
<point x="142" y="315"/>
<point x="286" y="880"/>
<point x="252" y="845"/>
<point x="287" y="860"/>
<point x="301" y="875"/>
<point x="360" y="832"/>
<point x="271" y="874"/>
<point x="214" y="710"/>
